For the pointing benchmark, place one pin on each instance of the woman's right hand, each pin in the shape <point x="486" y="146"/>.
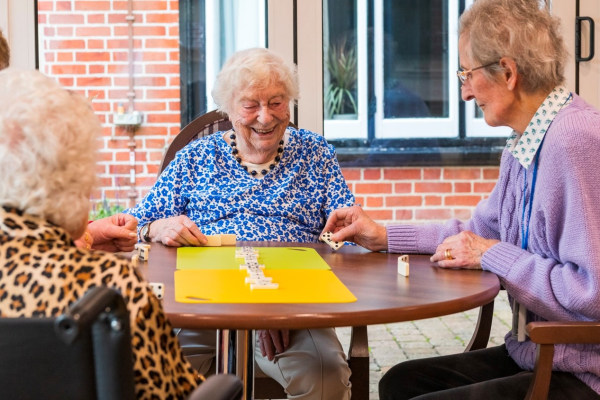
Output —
<point x="176" y="231"/>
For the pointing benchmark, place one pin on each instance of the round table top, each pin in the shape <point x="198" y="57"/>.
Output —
<point x="383" y="296"/>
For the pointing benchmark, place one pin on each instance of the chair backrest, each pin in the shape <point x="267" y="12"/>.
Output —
<point x="83" y="354"/>
<point x="204" y="125"/>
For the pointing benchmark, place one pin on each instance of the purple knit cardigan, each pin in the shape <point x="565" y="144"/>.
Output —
<point x="558" y="277"/>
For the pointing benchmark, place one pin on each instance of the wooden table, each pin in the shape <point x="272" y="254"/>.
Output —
<point x="383" y="295"/>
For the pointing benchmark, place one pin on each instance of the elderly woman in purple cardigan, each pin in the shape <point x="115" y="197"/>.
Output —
<point x="539" y="230"/>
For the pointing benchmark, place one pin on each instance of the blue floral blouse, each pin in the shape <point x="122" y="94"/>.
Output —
<point x="291" y="203"/>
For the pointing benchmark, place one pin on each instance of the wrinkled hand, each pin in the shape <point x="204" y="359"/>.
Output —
<point x="114" y="233"/>
<point x="466" y="250"/>
<point x="273" y="341"/>
<point x="354" y="225"/>
<point x="177" y="231"/>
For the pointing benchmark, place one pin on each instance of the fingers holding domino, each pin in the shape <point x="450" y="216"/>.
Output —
<point x="326" y="237"/>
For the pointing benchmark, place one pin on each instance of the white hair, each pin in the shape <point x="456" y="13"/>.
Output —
<point x="48" y="148"/>
<point x="258" y="68"/>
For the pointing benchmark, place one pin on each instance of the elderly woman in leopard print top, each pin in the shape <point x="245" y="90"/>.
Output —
<point x="48" y="137"/>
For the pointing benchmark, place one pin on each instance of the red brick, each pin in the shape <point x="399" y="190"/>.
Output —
<point x="96" y="69"/>
<point x="162" y="118"/>
<point x="374" y="202"/>
<point x="66" y="31"/>
<point x="402" y="173"/>
<point x="152" y="30"/>
<point x="433" y="200"/>
<point x="60" y="19"/>
<point x="67" y="44"/>
<point x="372" y="174"/>
<point x="433" y="214"/>
<point x="366" y="188"/>
<point x="94" y="81"/>
<point x="483" y="187"/>
<point x="155" y="143"/>
<point x="432" y="173"/>
<point x="99" y="31"/>
<point x="92" y="56"/>
<point x="150" y="105"/>
<point x="403" y="201"/>
<point x="162" y="43"/>
<point x="461" y="200"/>
<point x="381" y="215"/>
<point x="462" y="187"/>
<point x="152" y="130"/>
<point x="154" y="56"/>
<point x="162" y="93"/>
<point x="45" y="5"/>
<point x="162" y="69"/>
<point x="433" y="187"/>
<point x="63" y="6"/>
<point x="462" y="173"/>
<point x="92" y="5"/>
<point x="491" y="173"/>
<point x="403" y="187"/>
<point x="462" y="214"/>
<point x="66" y="82"/>
<point x="96" y="18"/>
<point x="175" y="106"/>
<point x="403" y="215"/>
<point x="95" y="44"/>
<point x="351" y="174"/>
<point x="63" y="56"/>
<point x="165" y="18"/>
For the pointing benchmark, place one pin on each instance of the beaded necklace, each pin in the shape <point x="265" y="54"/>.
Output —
<point x="253" y="172"/>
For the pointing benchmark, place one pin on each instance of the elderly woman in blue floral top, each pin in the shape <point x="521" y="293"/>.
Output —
<point x="262" y="180"/>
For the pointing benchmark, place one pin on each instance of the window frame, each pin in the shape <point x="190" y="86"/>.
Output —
<point x="369" y="151"/>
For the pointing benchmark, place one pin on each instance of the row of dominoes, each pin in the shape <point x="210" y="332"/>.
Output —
<point x="221" y="239"/>
<point x="256" y="276"/>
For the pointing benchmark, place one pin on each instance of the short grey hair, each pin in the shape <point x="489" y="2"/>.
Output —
<point x="523" y="30"/>
<point x="258" y="68"/>
<point x="48" y="149"/>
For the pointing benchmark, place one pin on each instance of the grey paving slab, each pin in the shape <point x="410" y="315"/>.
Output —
<point x="390" y="344"/>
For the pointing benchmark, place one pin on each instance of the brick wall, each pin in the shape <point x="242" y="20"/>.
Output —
<point x="85" y="45"/>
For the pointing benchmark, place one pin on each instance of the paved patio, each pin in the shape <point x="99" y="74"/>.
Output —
<point x="390" y="344"/>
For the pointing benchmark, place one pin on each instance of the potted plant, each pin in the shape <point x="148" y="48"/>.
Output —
<point x="342" y="67"/>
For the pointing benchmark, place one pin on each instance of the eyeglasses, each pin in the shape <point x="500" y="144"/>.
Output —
<point x="463" y="75"/>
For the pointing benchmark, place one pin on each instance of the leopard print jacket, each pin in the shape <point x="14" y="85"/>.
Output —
<point x="42" y="273"/>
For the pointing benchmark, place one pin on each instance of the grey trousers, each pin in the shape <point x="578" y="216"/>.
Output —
<point x="314" y="367"/>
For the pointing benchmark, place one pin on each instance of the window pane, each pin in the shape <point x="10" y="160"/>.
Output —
<point x="415" y="59"/>
<point x="340" y="55"/>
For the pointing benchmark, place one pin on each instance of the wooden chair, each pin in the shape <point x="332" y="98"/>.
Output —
<point x="83" y="354"/>
<point x="358" y="353"/>
<point x="546" y="334"/>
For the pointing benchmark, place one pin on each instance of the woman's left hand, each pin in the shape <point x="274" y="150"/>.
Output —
<point x="462" y="251"/>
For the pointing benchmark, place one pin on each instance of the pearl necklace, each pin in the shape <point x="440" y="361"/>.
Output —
<point x="253" y="172"/>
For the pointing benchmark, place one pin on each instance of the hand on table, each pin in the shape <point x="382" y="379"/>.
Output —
<point x="352" y="224"/>
<point x="177" y="231"/>
<point x="462" y="251"/>
<point x="114" y="233"/>
<point x="273" y="341"/>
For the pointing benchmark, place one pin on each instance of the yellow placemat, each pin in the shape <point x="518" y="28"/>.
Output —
<point x="227" y="286"/>
<point x="272" y="257"/>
